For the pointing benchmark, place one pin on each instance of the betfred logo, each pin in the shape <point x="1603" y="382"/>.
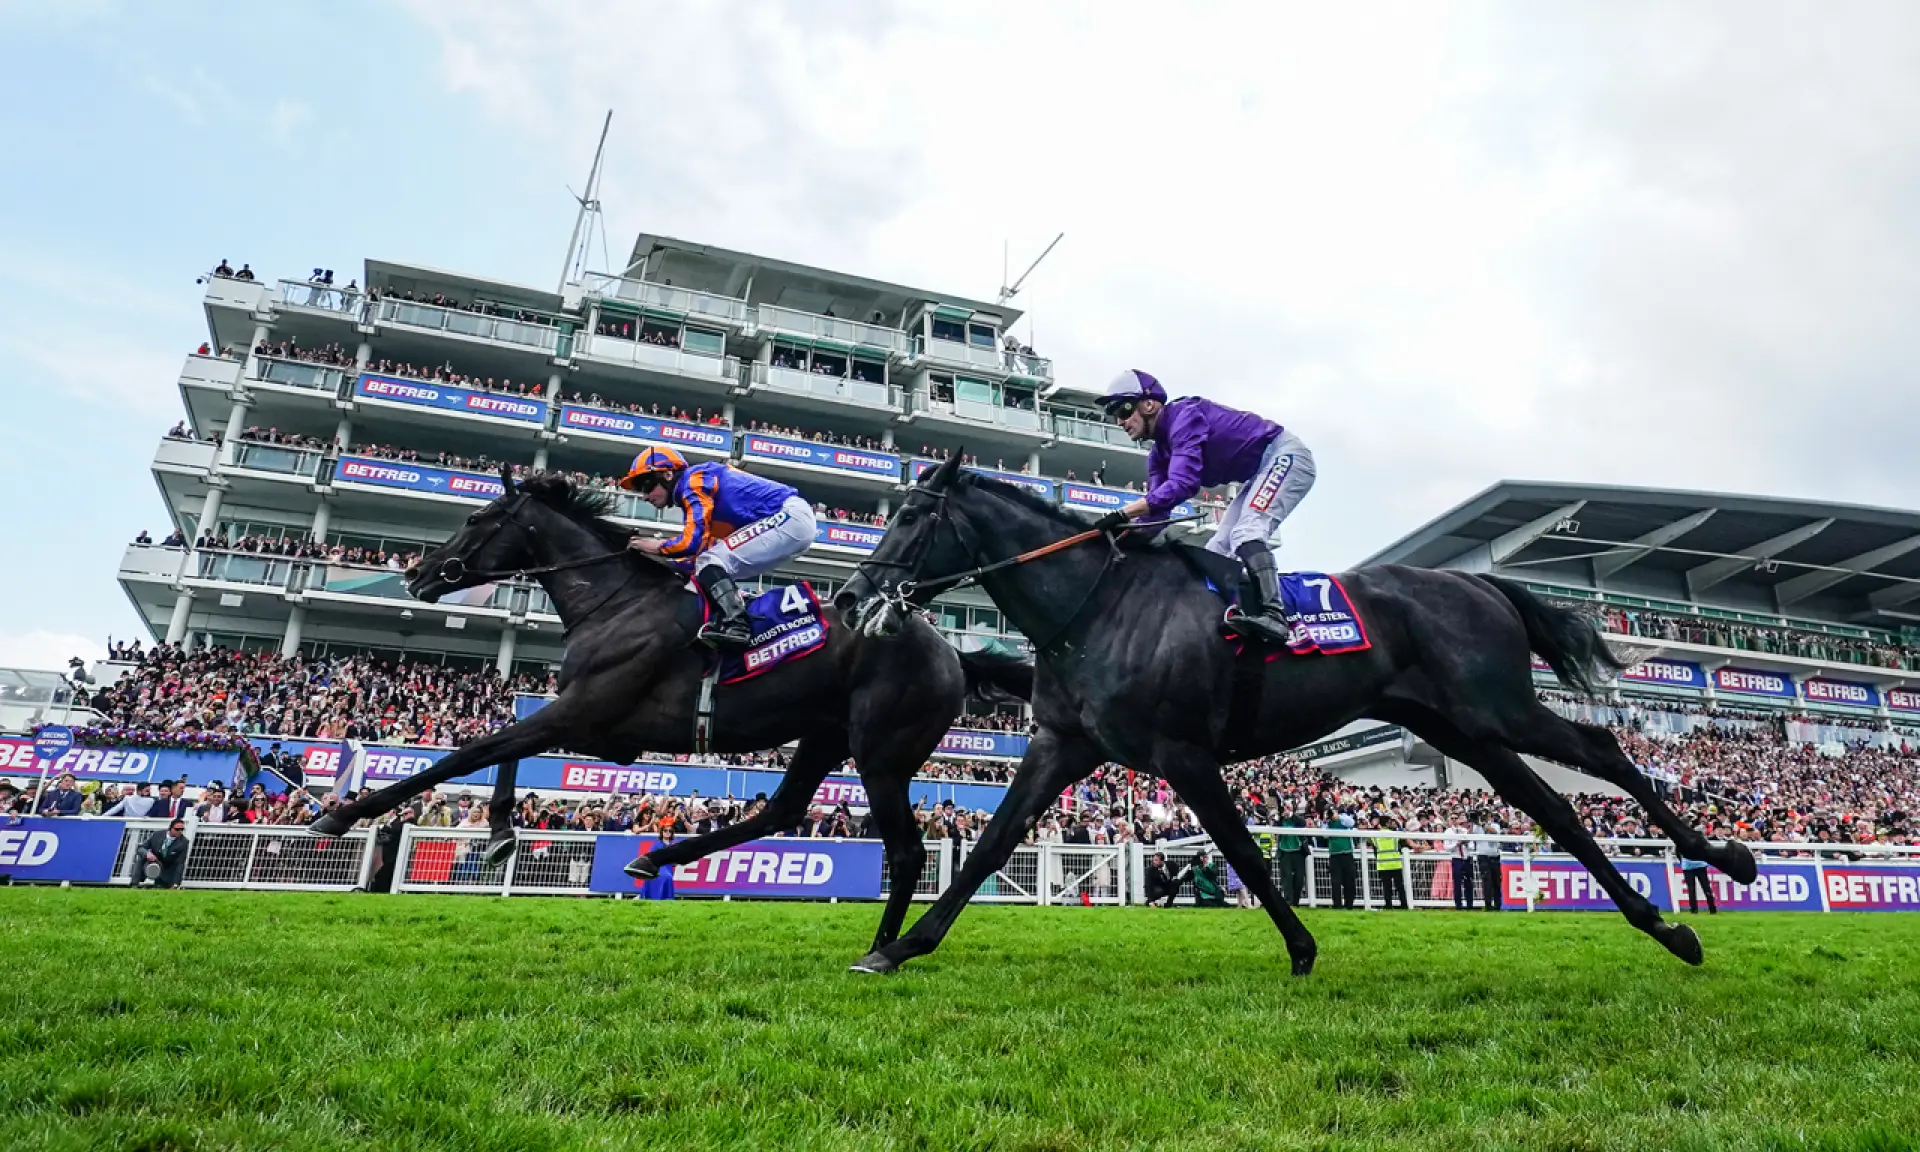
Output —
<point x="1752" y="683"/>
<point x="771" y="653"/>
<point x="377" y="473"/>
<point x="1903" y="699"/>
<point x="27" y="849"/>
<point x="862" y="460"/>
<point x="17" y="753"/>
<point x="1663" y="672"/>
<point x="840" y="792"/>
<point x="474" y="486"/>
<point x="1867" y="888"/>
<point x="502" y="406"/>
<point x="699" y="436"/>
<point x="381" y="765"/>
<point x="1840" y="692"/>
<point x="757" y="867"/>
<point x="598" y="421"/>
<point x="778" y="448"/>
<point x="394" y="389"/>
<point x="968" y="742"/>
<point x="1093" y="497"/>
<point x="609" y="778"/>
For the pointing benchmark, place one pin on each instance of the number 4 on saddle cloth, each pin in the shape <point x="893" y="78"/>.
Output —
<point x="786" y="623"/>
<point x="1315" y="605"/>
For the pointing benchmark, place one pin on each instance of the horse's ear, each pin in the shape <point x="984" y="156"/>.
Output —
<point x="949" y="468"/>
<point x="506" y="479"/>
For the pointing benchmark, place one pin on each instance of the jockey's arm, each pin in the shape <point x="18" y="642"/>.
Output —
<point x="696" y="512"/>
<point x="1178" y="478"/>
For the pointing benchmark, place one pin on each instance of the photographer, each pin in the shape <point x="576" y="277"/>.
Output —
<point x="1161" y="886"/>
<point x="386" y="846"/>
<point x="163" y="856"/>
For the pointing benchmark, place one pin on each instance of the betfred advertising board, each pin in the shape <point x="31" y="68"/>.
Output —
<point x="1560" y="884"/>
<point x="52" y="850"/>
<point x="775" y="867"/>
<point x="1778" y="888"/>
<point x="1872" y="887"/>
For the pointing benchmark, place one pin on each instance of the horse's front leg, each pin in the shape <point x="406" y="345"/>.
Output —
<point x="501" y="842"/>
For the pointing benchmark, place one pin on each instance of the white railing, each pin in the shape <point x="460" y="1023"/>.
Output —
<point x="257" y="856"/>
<point x="958" y="354"/>
<point x="327" y="298"/>
<point x="812" y="326"/>
<point x="665" y="358"/>
<point x="326" y="378"/>
<point x="801" y="382"/>
<point x="544" y="337"/>
<point x="686" y="301"/>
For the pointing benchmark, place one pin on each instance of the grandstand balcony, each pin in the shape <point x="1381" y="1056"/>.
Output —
<point x="321" y="300"/>
<point x="550" y="335"/>
<point x="706" y="367"/>
<point x="975" y="409"/>
<point x="220" y="374"/>
<point x="877" y="340"/>
<point x="859" y="383"/>
<point x="606" y="294"/>
<point x="227" y="297"/>
<point x="300" y="379"/>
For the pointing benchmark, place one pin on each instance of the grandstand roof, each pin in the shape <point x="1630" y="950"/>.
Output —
<point x="1801" y="558"/>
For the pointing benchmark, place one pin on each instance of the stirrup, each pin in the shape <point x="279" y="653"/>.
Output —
<point x="717" y="634"/>
<point x="1257" y="626"/>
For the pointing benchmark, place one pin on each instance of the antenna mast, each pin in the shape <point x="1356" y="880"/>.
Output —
<point x="589" y="202"/>
<point x="1008" y="292"/>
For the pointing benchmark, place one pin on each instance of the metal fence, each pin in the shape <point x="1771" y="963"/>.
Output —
<point x="556" y="863"/>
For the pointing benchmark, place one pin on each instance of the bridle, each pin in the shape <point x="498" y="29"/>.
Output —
<point x="454" y="570"/>
<point x="904" y="591"/>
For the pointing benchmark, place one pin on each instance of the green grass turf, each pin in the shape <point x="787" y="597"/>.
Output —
<point x="236" y="1020"/>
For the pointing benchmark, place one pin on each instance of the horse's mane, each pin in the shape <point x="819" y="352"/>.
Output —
<point x="587" y="506"/>
<point x="1068" y="517"/>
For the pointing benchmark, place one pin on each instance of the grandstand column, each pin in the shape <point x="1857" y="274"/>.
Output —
<point x="236" y="424"/>
<point x="540" y="458"/>
<point x="322" y="517"/>
<point x="553" y="388"/>
<point x="886" y="438"/>
<point x="362" y="356"/>
<point x="726" y="412"/>
<point x="290" y="639"/>
<point x="252" y="369"/>
<point x="885" y="507"/>
<point x="503" y="660"/>
<point x="177" y="623"/>
<point x="343" y="434"/>
<point x="209" y="519"/>
<point x="1033" y="461"/>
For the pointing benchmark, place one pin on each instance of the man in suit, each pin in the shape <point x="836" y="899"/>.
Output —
<point x="168" y="849"/>
<point x="64" y="800"/>
<point x="134" y="804"/>
<point x="1161" y="886"/>
<point x="175" y="806"/>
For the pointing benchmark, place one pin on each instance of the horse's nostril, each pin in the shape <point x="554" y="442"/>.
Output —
<point x="412" y="572"/>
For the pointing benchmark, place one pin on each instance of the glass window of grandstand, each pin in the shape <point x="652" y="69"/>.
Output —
<point x="234" y="642"/>
<point x="789" y="357"/>
<point x="1021" y="398"/>
<point x="660" y="333"/>
<point x="945" y="329"/>
<point x="704" y="342"/>
<point x="982" y="336"/>
<point x="869" y="371"/>
<point x="970" y="391"/>
<point x="940" y="388"/>
<point x="829" y="364"/>
<point x="986" y="620"/>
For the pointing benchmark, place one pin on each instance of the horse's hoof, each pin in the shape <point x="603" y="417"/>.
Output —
<point x="1684" y="942"/>
<point x="330" y="826"/>
<point x="1738" y="862"/>
<point x="641" y="868"/>
<point x="874" y="964"/>
<point x="1303" y="965"/>
<point x="501" y="851"/>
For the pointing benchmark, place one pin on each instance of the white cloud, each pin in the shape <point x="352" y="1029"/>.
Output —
<point x="47" y="651"/>
<point x="1608" y="243"/>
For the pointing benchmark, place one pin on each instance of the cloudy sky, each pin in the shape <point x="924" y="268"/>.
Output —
<point x="1448" y="244"/>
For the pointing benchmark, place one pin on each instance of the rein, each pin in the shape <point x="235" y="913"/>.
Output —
<point x="903" y="592"/>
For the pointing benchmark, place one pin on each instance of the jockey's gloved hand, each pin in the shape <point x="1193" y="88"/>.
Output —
<point x="1112" y="521"/>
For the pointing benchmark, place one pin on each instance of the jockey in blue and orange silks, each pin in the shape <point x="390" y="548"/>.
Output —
<point x="734" y="525"/>
<point x="1198" y="443"/>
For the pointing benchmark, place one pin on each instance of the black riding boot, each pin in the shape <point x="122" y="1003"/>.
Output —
<point x="727" y="626"/>
<point x="1259" y="617"/>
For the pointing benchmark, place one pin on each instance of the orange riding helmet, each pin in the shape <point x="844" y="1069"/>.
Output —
<point x="654" y="465"/>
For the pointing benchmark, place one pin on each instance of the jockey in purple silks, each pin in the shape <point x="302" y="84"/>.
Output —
<point x="1200" y="444"/>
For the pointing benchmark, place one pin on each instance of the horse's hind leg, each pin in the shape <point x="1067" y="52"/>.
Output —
<point x="1520" y="786"/>
<point x="1547" y="734"/>
<point x="1195" y="775"/>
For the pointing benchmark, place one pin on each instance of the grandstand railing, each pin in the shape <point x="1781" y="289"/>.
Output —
<point x="560" y="863"/>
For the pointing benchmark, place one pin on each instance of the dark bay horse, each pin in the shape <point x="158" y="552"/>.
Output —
<point x="1131" y="668"/>
<point x="632" y="673"/>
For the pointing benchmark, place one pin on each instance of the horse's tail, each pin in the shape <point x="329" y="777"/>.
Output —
<point x="1570" y="645"/>
<point x="988" y="672"/>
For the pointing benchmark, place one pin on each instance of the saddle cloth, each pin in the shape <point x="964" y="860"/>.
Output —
<point x="787" y="624"/>
<point x="1315" y="605"/>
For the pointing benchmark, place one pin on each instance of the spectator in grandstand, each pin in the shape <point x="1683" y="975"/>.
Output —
<point x="225" y="270"/>
<point x="164" y="855"/>
<point x="63" y="800"/>
<point x="135" y="804"/>
<point x="174" y="805"/>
